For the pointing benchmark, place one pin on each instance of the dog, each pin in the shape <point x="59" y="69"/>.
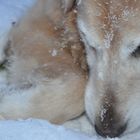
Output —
<point x="110" y="30"/>
<point x="45" y="66"/>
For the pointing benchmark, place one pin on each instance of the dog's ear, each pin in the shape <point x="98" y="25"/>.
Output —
<point x="55" y="9"/>
<point x="68" y="5"/>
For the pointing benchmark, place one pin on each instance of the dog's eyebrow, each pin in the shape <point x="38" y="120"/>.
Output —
<point x="129" y="46"/>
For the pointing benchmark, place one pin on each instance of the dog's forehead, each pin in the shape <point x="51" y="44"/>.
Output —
<point x="110" y="19"/>
<point x="102" y="9"/>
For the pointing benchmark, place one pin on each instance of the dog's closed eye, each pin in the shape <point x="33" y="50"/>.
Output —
<point x="93" y="49"/>
<point x="136" y="52"/>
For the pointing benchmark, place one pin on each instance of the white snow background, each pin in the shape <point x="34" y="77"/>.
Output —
<point x="36" y="130"/>
<point x="32" y="129"/>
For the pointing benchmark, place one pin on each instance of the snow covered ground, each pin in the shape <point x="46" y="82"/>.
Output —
<point x="10" y="11"/>
<point x="32" y="129"/>
<point x="37" y="130"/>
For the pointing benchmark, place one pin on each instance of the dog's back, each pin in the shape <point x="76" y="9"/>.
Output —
<point x="46" y="66"/>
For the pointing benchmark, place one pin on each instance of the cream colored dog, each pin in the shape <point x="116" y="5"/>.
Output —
<point x="110" y="30"/>
<point x="46" y="70"/>
<point x="52" y="85"/>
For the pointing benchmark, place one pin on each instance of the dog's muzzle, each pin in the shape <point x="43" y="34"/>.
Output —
<point x="110" y="132"/>
<point x="110" y="124"/>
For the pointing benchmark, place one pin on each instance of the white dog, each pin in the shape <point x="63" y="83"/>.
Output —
<point x="110" y="30"/>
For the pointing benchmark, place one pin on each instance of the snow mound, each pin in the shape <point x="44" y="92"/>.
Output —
<point x="11" y="11"/>
<point x="37" y="130"/>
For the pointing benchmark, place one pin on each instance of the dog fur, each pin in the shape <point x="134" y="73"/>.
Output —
<point x="46" y="69"/>
<point x="110" y="30"/>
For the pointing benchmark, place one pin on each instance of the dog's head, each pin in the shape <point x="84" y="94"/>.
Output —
<point x="110" y="30"/>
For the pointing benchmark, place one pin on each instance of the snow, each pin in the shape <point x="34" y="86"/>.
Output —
<point x="54" y="52"/>
<point x="11" y="11"/>
<point x="103" y="112"/>
<point x="108" y="38"/>
<point x="37" y="130"/>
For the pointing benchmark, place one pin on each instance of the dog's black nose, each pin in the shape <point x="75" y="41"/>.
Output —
<point x="110" y="132"/>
